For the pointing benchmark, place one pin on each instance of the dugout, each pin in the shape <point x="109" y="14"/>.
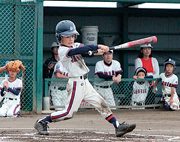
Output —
<point x="28" y="28"/>
<point x="124" y="24"/>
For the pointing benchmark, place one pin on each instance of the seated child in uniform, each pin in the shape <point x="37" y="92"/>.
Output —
<point x="169" y="85"/>
<point x="140" y="88"/>
<point x="11" y="90"/>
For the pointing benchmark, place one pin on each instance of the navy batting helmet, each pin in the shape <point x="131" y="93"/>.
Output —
<point x="140" y="69"/>
<point x="169" y="61"/>
<point x="65" y="28"/>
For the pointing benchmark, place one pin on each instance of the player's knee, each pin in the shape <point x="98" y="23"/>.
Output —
<point x="173" y="106"/>
<point x="11" y="114"/>
<point x="70" y="115"/>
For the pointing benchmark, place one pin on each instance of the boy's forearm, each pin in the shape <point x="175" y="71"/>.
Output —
<point x="15" y="92"/>
<point x="156" y="83"/>
<point x="172" y="92"/>
<point x="2" y="69"/>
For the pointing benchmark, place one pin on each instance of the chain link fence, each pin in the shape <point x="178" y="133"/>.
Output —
<point x="129" y="93"/>
<point x="18" y="42"/>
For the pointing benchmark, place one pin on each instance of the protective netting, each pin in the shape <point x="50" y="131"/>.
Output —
<point x="129" y="93"/>
<point x="18" y="42"/>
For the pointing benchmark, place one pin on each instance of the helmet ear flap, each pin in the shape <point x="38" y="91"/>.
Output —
<point x="58" y="36"/>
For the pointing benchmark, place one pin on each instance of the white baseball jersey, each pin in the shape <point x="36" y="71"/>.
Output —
<point x="140" y="91"/>
<point x="101" y="67"/>
<point x="16" y="84"/>
<point x="168" y="82"/>
<point x="75" y="65"/>
<point x="58" y="68"/>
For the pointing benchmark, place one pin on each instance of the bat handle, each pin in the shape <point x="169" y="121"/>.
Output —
<point x="5" y="90"/>
<point x="111" y="48"/>
<point x="90" y="53"/>
<point x="95" y="51"/>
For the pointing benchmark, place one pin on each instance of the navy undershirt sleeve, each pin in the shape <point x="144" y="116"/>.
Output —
<point x="87" y="55"/>
<point x="2" y="90"/>
<point x="104" y="76"/>
<point x="15" y="92"/>
<point x="82" y="50"/>
<point x="150" y="76"/>
<point x="119" y="73"/>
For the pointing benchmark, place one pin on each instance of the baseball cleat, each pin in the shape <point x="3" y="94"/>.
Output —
<point x="124" y="128"/>
<point x="41" y="127"/>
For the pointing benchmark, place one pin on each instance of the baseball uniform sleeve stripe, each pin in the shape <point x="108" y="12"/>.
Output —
<point x="58" y="72"/>
<point x="119" y="71"/>
<point x="70" y="104"/>
<point x="67" y="53"/>
<point x="175" y="85"/>
<point x="98" y="72"/>
<point x="80" y="45"/>
<point x="19" y="88"/>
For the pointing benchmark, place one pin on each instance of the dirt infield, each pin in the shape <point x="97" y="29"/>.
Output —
<point x="88" y="125"/>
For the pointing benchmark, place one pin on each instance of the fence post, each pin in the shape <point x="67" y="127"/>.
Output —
<point x="39" y="84"/>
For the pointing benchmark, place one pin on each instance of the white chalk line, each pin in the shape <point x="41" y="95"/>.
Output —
<point x="74" y="138"/>
<point x="176" y="138"/>
<point x="95" y="129"/>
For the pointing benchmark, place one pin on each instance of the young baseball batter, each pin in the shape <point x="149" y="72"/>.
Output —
<point x="11" y="90"/>
<point x="169" y="85"/>
<point x="58" y="90"/>
<point x="78" y="87"/>
<point x="140" y="88"/>
<point x="107" y="69"/>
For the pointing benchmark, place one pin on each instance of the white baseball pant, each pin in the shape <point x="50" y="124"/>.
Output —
<point x="79" y="89"/>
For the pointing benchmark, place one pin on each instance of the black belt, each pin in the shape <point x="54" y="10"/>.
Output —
<point x="62" y="88"/>
<point x="103" y="86"/>
<point x="138" y="103"/>
<point x="59" y="88"/>
<point x="167" y="95"/>
<point x="85" y="76"/>
<point x="12" y="98"/>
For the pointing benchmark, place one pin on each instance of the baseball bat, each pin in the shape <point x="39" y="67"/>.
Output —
<point x="152" y="39"/>
<point x="6" y="78"/>
<point x="6" y="75"/>
<point x="5" y="90"/>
